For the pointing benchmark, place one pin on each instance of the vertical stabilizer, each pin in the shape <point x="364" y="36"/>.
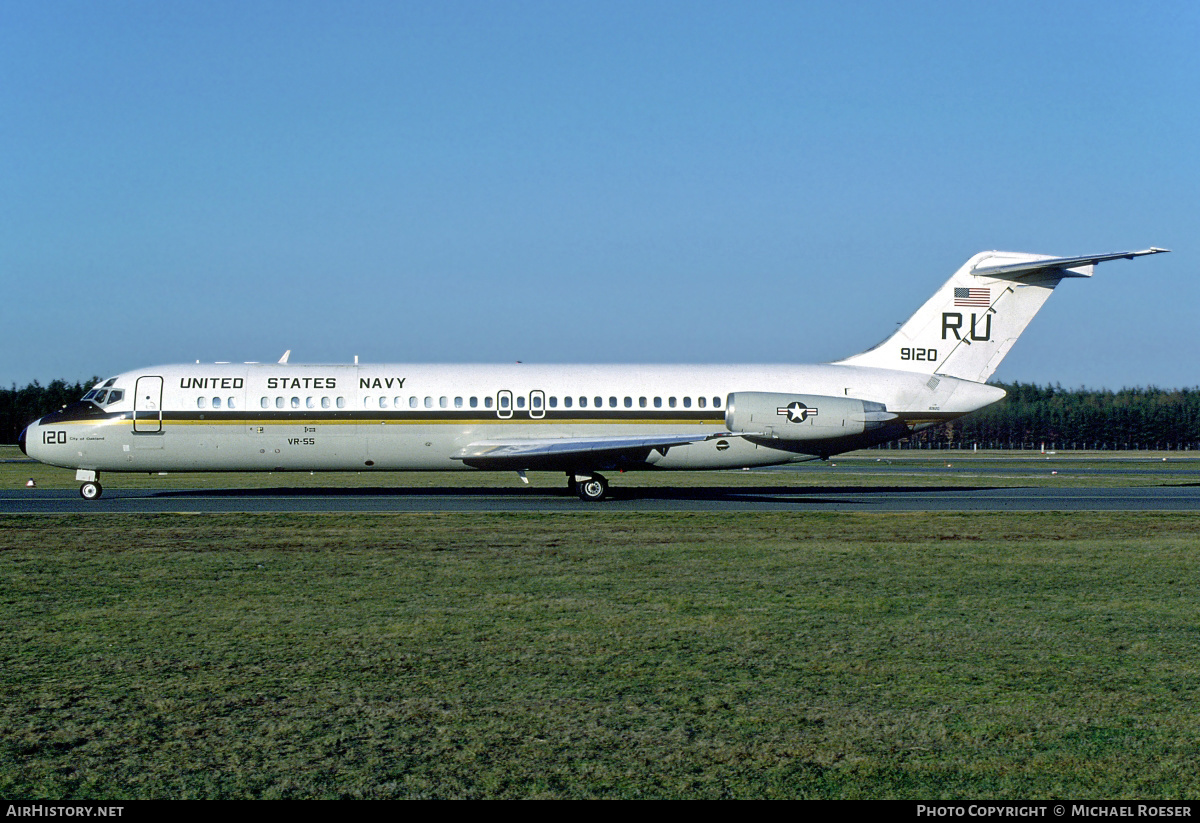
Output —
<point x="972" y="321"/>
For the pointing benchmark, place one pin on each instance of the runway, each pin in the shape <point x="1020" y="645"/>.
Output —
<point x="1180" y="498"/>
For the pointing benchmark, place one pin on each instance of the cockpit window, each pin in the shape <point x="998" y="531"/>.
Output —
<point x="108" y="383"/>
<point x="105" y="397"/>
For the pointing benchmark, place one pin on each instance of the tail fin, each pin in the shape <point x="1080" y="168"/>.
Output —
<point x="969" y="325"/>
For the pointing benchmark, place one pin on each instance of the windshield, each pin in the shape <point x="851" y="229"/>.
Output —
<point x="105" y="397"/>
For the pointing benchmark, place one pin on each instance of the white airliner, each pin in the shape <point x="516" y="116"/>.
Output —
<point x="577" y="419"/>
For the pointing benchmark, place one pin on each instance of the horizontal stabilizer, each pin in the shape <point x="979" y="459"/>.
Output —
<point x="1067" y="265"/>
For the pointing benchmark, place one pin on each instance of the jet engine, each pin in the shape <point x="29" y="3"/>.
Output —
<point x="799" y="417"/>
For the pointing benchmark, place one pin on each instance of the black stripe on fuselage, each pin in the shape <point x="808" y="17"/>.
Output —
<point x="81" y="412"/>
<point x="77" y="412"/>
<point x="435" y="416"/>
<point x="445" y="416"/>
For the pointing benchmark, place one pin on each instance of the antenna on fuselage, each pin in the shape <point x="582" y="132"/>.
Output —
<point x="286" y="355"/>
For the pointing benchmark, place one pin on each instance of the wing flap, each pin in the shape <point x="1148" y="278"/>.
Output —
<point x="547" y="453"/>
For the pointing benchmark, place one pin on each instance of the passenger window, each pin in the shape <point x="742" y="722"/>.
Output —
<point x="671" y="402"/>
<point x="536" y="401"/>
<point x="487" y="402"/>
<point x="629" y="402"/>
<point x="324" y="402"/>
<point x="279" y="402"/>
<point x="701" y="401"/>
<point x="641" y="402"/>
<point x="295" y="402"/>
<point x="658" y="402"/>
<point x="265" y="403"/>
<point x="458" y="402"/>
<point x="521" y="401"/>
<point x="201" y="402"/>
<point x="567" y="401"/>
<point x="412" y="402"/>
<point x="310" y="402"/>
<point x="216" y="402"/>
<point x="474" y="402"/>
<point x="504" y="401"/>
<point x="583" y="402"/>
<point x="443" y="402"/>
<point x="341" y="402"/>
<point x="599" y="401"/>
<point x="612" y="402"/>
<point x="716" y="402"/>
<point x="383" y="403"/>
<point x="687" y="402"/>
<point x="553" y="402"/>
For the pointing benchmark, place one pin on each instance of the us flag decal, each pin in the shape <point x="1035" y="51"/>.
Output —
<point x="972" y="297"/>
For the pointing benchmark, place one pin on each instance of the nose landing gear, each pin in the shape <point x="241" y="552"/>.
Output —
<point x="91" y="488"/>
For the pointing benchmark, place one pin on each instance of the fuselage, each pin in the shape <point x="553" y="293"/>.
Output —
<point x="292" y="417"/>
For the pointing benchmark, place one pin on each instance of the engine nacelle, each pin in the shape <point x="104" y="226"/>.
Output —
<point x="781" y="416"/>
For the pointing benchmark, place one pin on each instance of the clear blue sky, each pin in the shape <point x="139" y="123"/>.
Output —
<point x="587" y="182"/>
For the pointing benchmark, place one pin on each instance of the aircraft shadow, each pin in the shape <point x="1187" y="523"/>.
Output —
<point x="742" y="494"/>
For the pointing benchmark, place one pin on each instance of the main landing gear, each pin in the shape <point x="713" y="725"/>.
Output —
<point x="591" y="488"/>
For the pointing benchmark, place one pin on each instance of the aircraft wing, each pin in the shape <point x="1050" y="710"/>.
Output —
<point x="1067" y="264"/>
<point x="566" y="453"/>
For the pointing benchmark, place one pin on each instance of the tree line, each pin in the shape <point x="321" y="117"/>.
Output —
<point x="1028" y="418"/>
<point x="1033" y="416"/>
<point x="20" y="407"/>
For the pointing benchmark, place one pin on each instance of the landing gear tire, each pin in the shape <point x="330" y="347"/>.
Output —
<point x="592" y="490"/>
<point x="90" y="491"/>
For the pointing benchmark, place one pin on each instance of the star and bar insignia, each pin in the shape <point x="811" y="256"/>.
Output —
<point x="796" y="412"/>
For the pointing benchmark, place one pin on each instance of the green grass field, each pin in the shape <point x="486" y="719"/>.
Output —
<point x="600" y="654"/>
